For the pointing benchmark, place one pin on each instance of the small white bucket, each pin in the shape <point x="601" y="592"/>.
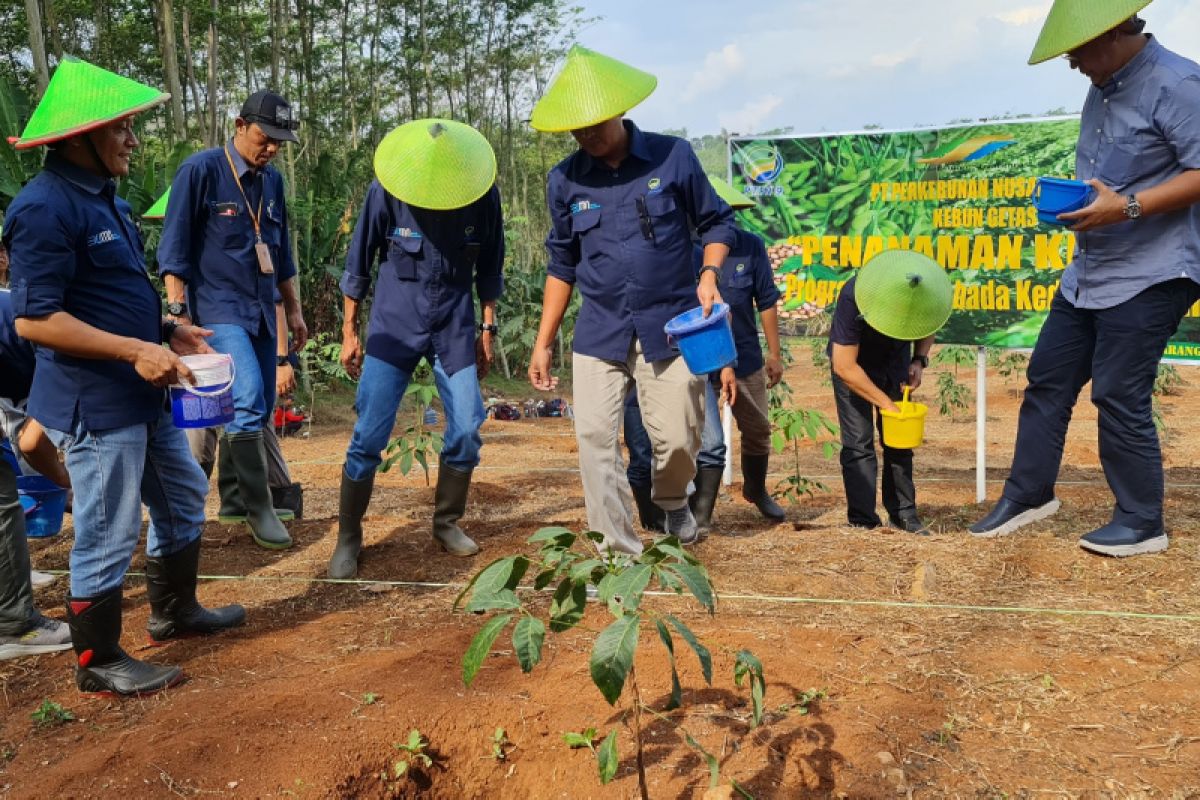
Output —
<point x="209" y="401"/>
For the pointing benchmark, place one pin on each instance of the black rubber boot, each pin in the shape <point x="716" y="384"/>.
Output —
<point x="652" y="517"/>
<point x="233" y="510"/>
<point x="102" y="667"/>
<point x="288" y="499"/>
<point x="249" y="459"/>
<point x="450" y="502"/>
<point x="352" y="504"/>
<point x="754" y="487"/>
<point x="171" y="589"/>
<point x="708" y="484"/>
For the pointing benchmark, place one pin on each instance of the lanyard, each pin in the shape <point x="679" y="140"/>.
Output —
<point x="255" y="216"/>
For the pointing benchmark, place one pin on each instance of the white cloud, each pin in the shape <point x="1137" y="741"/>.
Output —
<point x="1026" y="15"/>
<point x="719" y="67"/>
<point x="751" y="116"/>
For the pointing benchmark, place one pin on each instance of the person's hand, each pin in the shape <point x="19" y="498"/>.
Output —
<point x="1107" y="209"/>
<point x="539" y="370"/>
<point x="915" y="372"/>
<point x="890" y="406"/>
<point x="295" y="320"/>
<point x="728" y="386"/>
<point x="182" y="319"/>
<point x="189" y="339"/>
<point x="707" y="292"/>
<point x="774" y="371"/>
<point x="352" y="353"/>
<point x="484" y="354"/>
<point x="285" y="380"/>
<point x="159" y="366"/>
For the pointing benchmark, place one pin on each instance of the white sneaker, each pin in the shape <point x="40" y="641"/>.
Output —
<point x="44" y="636"/>
<point x="40" y="579"/>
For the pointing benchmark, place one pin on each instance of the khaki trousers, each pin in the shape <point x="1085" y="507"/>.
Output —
<point x="672" y="403"/>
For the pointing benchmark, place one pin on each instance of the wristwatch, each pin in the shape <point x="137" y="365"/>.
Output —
<point x="709" y="267"/>
<point x="1133" y="208"/>
<point x="177" y="309"/>
<point x="169" y="326"/>
<point x="282" y="361"/>
<point x="922" y="360"/>
<point x="489" y="327"/>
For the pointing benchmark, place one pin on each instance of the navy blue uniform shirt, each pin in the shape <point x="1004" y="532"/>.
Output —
<point x="623" y="236"/>
<point x="16" y="355"/>
<point x="747" y="285"/>
<point x="884" y="359"/>
<point x="208" y="239"/>
<point x="428" y="262"/>
<point x="73" y="247"/>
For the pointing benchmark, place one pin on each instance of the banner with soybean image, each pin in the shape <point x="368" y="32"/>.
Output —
<point x="960" y="194"/>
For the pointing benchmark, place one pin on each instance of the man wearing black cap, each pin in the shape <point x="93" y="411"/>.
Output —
<point x="224" y="251"/>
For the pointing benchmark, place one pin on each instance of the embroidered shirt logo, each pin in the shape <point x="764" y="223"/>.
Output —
<point x="741" y="267"/>
<point x="653" y="184"/>
<point x="579" y="206"/>
<point x="469" y="230"/>
<point x="103" y="237"/>
<point x="406" y="233"/>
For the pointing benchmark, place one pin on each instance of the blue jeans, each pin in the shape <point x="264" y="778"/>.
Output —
<point x="380" y="390"/>
<point x="712" y="440"/>
<point x="254" y="379"/>
<point x="641" y="452"/>
<point x="115" y="471"/>
<point x="1118" y="350"/>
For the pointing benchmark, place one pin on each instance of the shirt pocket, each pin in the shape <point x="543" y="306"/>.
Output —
<point x="229" y="231"/>
<point x="1131" y="159"/>
<point x="585" y="229"/>
<point x="112" y="255"/>
<point x="403" y="254"/>
<point x="738" y="287"/>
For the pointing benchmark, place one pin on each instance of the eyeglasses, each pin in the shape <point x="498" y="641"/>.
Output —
<point x="645" y="220"/>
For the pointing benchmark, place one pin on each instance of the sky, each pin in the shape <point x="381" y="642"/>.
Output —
<point x="746" y="66"/>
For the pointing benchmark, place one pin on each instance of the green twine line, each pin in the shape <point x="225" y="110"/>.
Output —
<point x="762" y="598"/>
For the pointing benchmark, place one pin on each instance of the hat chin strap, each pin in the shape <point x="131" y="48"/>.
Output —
<point x="104" y="170"/>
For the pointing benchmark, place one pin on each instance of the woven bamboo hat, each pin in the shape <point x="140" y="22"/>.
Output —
<point x="438" y="164"/>
<point x="729" y="194"/>
<point x="904" y="294"/>
<point x="80" y="98"/>
<point x="1071" y="23"/>
<point x="590" y="89"/>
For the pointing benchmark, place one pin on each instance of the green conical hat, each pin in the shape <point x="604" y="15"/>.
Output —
<point x="903" y="294"/>
<point x="590" y="88"/>
<point x="82" y="97"/>
<point x="729" y="194"/>
<point x="159" y="209"/>
<point x="1071" y="23"/>
<point x="436" y="163"/>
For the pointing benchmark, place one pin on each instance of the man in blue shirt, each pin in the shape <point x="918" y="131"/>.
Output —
<point x="621" y="209"/>
<point x="82" y="295"/>
<point x="432" y="220"/>
<point x="23" y="630"/>
<point x="1133" y="277"/>
<point x="225" y="250"/>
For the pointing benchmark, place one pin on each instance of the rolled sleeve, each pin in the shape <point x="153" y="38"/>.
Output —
<point x="41" y="258"/>
<point x="369" y="236"/>
<point x="766" y="293"/>
<point x="185" y="209"/>
<point x="561" y="244"/>
<point x="1179" y="119"/>
<point x="711" y="215"/>
<point x="489" y="269"/>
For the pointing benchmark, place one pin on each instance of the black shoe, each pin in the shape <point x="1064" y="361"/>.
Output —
<point x="1009" y="515"/>
<point x="708" y="484"/>
<point x="909" y="524"/>
<point x="754" y="487"/>
<point x="102" y="667"/>
<point x="1119" y="541"/>
<point x="174" y="611"/>
<point x="249" y="457"/>
<point x="652" y="517"/>
<point x="352" y="504"/>
<point x="450" y="501"/>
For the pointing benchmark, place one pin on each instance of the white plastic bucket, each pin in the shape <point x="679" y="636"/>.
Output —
<point x="209" y="401"/>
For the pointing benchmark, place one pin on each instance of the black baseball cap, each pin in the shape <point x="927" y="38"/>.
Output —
<point x="271" y="113"/>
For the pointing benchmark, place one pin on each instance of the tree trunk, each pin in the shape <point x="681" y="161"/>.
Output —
<point x="191" y="73"/>
<point x="38" y="45"/>
<point x="214" y="132"/>
<point x="275" y="16"/>
<point x="171" y="67"/>
<point x="52" y="29"/>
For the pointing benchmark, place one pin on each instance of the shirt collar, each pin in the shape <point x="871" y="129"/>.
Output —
<point x="638" y="148"/>
<point x="239" y="163"/>
<point x="89" y="182"/>
<point x="1148" y="54"/>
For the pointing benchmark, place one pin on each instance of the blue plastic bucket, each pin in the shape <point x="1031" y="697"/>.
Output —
<point x="705" y="344"/>
<point x="1054" y="196"/>
<point x="209" y="402"/>
<point x="45" y="517"/>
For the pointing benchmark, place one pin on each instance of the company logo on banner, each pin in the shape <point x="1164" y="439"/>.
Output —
<point x="966" y="150"/>
<point x="762" y="165"/>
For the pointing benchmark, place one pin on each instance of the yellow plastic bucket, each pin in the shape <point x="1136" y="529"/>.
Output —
<point x="904" y="430"/>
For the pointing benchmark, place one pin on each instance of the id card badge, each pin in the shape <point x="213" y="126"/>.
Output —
<point x="263" y="251"/>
